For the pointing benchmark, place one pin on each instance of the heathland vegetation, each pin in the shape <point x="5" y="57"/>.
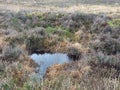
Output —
<point x="88" y="34"/>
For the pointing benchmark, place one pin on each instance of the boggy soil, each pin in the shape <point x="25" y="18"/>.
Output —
<point x="91" y="40"/>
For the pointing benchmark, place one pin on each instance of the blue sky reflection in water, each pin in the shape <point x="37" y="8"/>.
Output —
<point x="47" y="59"/>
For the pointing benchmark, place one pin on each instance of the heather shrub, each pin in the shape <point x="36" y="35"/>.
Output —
<point x="99" y="23"/>
<point x="10" y="51"/>
<point x="105" y="43"/>
<point x="111" y="60"/>
<point x="75" y="21"/>
<point x="35" y="42"/>
<point x="114" y="32"/>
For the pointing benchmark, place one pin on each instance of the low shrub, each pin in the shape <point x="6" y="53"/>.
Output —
<point x="107" y="44"/>
<point x="10" y="51"/>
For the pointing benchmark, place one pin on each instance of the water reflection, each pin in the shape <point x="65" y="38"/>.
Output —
<point x="46" y="60"/>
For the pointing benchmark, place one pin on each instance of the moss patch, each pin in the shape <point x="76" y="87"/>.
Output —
<point x="59" y="30"/>
<point x="114" y="23"/>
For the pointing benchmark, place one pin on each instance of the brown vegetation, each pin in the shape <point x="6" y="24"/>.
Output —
<point x="93" y="41"/>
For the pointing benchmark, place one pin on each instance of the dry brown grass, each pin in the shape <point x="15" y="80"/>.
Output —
<point x="74" y="70"/>
<point x="76" y="8"/>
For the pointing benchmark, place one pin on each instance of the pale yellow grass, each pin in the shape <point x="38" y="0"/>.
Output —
<point x="75" y="8"/>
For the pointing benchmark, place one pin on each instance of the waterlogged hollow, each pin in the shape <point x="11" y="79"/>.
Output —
<point x="45" y="60"/>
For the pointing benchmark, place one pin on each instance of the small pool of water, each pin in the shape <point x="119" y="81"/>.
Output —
<point x="47" y="59"/>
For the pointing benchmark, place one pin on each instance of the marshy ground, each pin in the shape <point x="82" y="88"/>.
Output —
<point x="87" y="31"/>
